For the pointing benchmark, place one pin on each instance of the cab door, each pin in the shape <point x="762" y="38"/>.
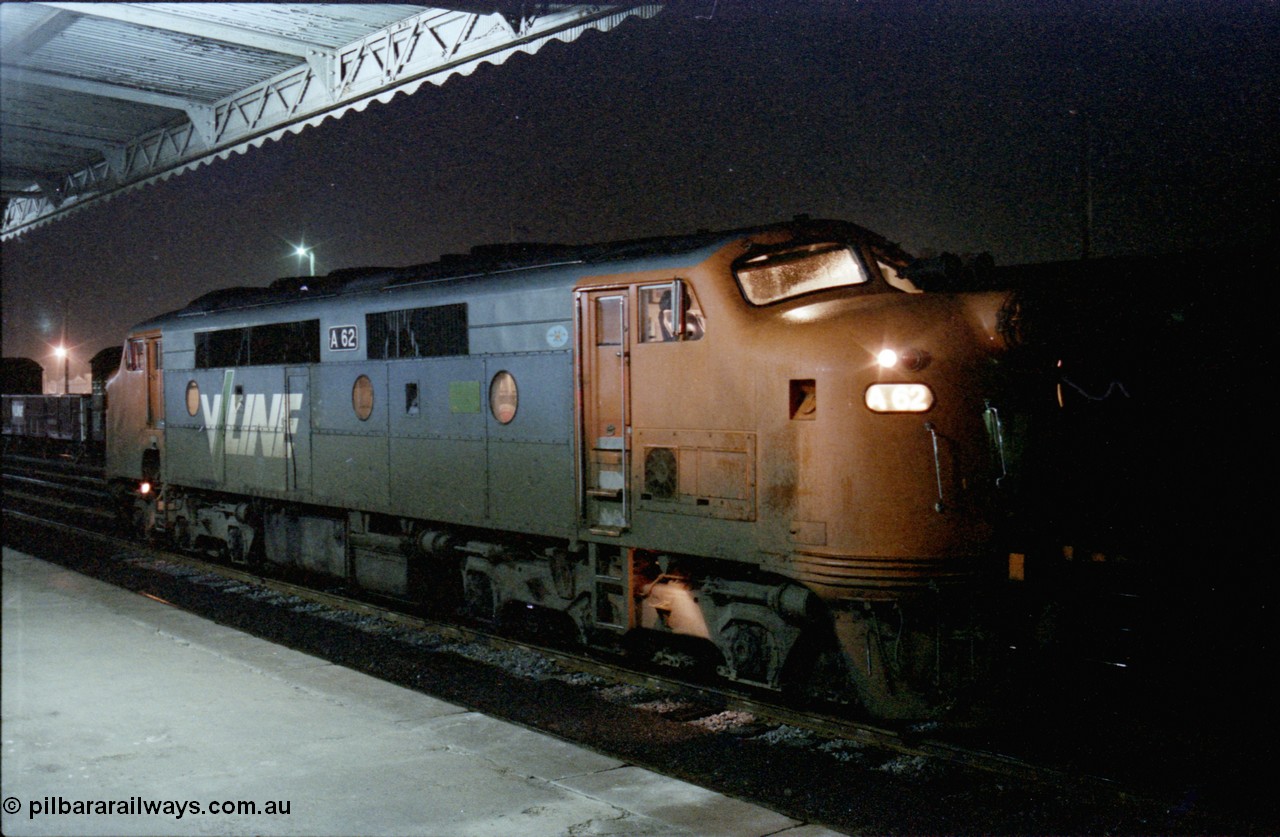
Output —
<point x="295" y="427"/>
<point x="153" y="365"/>
<point x="604" y="383"/>
<point x="155" y="382"/>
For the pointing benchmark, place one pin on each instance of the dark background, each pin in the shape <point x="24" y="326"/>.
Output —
<point x="944" y="126"/>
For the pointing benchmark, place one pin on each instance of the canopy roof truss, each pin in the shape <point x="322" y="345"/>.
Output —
<point x="98" y="98"/>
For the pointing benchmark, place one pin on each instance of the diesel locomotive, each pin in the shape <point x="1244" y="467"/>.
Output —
<point x="763" y="446"/>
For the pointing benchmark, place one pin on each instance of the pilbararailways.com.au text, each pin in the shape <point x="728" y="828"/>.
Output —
<point x="61" y="806"/>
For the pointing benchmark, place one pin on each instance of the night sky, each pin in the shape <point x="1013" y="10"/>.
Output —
<point x="944" y="126"/>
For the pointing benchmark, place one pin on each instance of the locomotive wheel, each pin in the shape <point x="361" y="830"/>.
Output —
<point x="750" y="651"/>
<point x="182" y="533"/>
<point x="138" y="518"/>
<point x="816" y="672"/>
<point x="124" y="517"/>
<point x="477" y="597"/>
<point x="234" y="549"/>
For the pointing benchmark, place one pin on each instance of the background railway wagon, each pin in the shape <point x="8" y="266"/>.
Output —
<point x="21" y="376"/>
<point x="70" y="423"/>
<point x="37" y="422"/>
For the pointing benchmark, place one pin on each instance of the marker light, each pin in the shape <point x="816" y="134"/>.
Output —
<point x="144" y="489"/>
<point x="887" y="358"/>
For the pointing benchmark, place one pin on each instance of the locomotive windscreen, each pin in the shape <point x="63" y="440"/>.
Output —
<point x="773" y="277"/>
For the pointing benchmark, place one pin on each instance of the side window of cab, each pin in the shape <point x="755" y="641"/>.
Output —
<point x="669" y="312"/>
<point x="135" y="354"/>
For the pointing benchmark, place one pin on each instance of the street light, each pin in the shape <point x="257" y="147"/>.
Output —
<point x="61" y="353"/>
<point x="62" y="350"/>
<point x="302" y="252"/>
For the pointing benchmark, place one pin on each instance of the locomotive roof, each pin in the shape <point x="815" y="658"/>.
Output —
<point x="498" y="259"/>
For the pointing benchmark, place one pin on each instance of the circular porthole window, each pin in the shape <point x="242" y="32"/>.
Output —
<point x="193" y="398"/>
<point x="362" y="397"/>
<point x="503" y="397"/>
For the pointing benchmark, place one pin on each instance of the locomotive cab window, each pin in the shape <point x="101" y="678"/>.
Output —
<point x="609" y="325"/>
<point x="785" y="274"/>
<point x="135" y="354"/>
<point x="669" y="312"/>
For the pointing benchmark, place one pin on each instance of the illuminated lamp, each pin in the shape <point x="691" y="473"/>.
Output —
<point x="912" y="360"/>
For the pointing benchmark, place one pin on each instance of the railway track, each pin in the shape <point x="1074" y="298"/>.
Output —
<point x="61" y="484"/>
<point x="66" y="501"/>
<point x="824" y="724"/>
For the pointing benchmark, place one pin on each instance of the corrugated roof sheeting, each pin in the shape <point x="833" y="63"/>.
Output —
<point x="330" y="25"/>
<point x="152" y="59"/>
<point x="99" y="98"/>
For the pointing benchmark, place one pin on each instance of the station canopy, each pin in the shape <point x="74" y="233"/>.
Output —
<point x="98" y="98"/>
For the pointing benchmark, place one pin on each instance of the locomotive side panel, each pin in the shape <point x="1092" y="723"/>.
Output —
<point x="349" y="446"/>
<point x="529" y="415"/>
<point x="438" y="453"/>
<point x="187" y="394"/>
<point x="239" y="429"/>
<point x="259" y="441"/>
<point x="195" y="401"/>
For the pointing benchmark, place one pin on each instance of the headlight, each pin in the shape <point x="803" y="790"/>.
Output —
<point x="898" y="398"/>
<point x="912" y="359"/>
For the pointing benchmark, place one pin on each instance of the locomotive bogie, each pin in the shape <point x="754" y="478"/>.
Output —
<point x="222" y="525"/>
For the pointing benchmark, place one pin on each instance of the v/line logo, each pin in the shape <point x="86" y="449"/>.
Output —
<point x="254" y="427"/>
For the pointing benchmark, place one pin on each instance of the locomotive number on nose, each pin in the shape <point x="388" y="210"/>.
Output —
<point x="343" y="338"/>
<point x="899" y="398"/>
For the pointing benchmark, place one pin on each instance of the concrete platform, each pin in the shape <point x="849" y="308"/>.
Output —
<point x="114" y="703"/>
